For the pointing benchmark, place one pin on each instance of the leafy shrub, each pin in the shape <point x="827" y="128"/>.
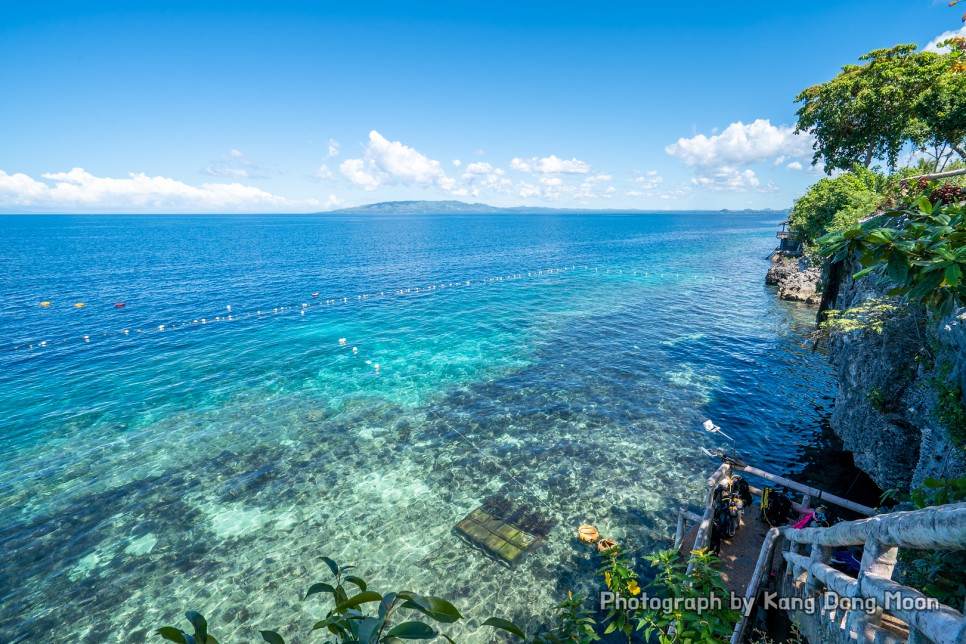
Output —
<point x="347" y="620"/>
<point x="836" y="204"/>
<point x="921" y="250"/>
<point x="673" y="582"/>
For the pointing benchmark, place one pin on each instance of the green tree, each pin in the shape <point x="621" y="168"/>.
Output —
<point x="870" y="111"/>
<point x="837" y="203"/>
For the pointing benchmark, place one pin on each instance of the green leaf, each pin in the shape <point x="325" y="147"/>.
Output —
<point x="332" y="566"/>
<point x="201" y="625"/>
<point x="171" y="634"/>
<point x="320" y="587"/>
<point x="864" y="272"/>
<point x="352" y="579"/>
<point x="412" y="631"/>
<point x="362" y="598"/>
<point x="925" y="205"/>
<point x="954" y="274"/>
<point x="434" y="607"/>
<point x="369" y="628"/>
<point x="272" y="637"/>
<point x="506" y="625"/>
<point x="898" y="268"/>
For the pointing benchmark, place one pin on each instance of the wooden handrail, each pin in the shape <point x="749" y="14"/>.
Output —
<point x="933" y="528"/>
<point x="812" y="492"/>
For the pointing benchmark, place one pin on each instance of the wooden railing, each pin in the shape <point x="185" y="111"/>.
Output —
<point x="932" y="528"/>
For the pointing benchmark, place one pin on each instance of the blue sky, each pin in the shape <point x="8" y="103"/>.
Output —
<point x="299" y="107"/>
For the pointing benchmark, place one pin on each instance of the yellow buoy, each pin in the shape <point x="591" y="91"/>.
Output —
<point x="79" y="305"/>
<point x="588" y="533"/>
<point x="45" y="304"/>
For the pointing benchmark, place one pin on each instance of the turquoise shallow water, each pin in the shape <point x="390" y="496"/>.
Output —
<point x="565" y="361"/>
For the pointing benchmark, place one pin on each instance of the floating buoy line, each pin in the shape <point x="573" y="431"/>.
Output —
<point x="301" y="309"/>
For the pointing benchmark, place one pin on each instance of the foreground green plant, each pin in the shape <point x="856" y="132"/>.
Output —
<point x="921" y="252"/>
<point x="349" y="620"/>
<point x="620" y="579"/>
<point x="672" y="582"/>
<point x="576" y="625"/>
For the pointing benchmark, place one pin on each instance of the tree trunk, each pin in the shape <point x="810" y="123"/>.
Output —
<point x="868" y="155"/>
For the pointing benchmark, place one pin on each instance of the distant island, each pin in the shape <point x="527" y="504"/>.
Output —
<point x="463" y="208"/>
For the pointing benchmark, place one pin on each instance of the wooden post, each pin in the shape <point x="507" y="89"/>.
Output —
<point x="820" y="554"/>
<point x="878" y="560"/>
<point x="679" y="533"/>
<point x="762" y="568"/>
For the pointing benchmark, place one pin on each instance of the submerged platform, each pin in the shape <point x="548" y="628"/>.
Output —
<point x="503" y="532"/>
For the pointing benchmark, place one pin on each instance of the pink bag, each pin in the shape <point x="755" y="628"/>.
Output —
<point x="801" y="523"/>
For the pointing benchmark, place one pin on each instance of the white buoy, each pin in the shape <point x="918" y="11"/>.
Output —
<point x="377" y="367"/>
<point x="342" y="341"/>
<point x="355" y="350"/>
<point x="228" y="308"/>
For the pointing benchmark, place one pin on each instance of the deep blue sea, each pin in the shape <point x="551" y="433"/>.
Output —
<point x="277" y="388"/>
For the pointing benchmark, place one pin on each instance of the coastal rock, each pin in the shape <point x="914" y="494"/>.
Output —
<point x="796" y="281"/>
<point x="889" y="386"/>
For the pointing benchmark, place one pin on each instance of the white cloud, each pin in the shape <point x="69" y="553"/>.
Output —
<point x="355" y="171"/>
<point x="390" y="162"/>
<point x="727" y="179"/>
<point x="550" y="165"/>
<point x="324" y="173"/>
<point x="646" y="182"/>
<point x="741" y="144"/>
<point x="237" y="165"/>
<point x="80" y="191"/>
<point x="934" y="43"/>
<point x="333" y="148"/>
<point x="482" y="175"/>
<point x="720" y="161"/>
<point x="528" y="190"/>
<point x="480" y="167"/>
<point x="457" y="163"/>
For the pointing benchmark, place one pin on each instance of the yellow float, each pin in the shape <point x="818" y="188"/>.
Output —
<point x="588" y="533"/>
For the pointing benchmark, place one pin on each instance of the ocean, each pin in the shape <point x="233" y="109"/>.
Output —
<point x="279" y="388"/>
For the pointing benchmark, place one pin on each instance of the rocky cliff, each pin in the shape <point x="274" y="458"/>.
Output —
<point x="900" y="392"/>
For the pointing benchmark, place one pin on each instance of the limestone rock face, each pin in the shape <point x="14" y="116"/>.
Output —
<point x="795" y="282"/>
<point x="885" y="409"/>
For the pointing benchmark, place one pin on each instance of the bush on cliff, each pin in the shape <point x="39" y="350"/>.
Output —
<point x="836" y="204"/>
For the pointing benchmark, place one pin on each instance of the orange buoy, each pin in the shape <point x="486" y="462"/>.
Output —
<point x="45" y="304"/>
<point x="588" y="533"/>
<point x="119" y="305"/>
<point x="79" y="305"/>
<point x="606" y="544"/>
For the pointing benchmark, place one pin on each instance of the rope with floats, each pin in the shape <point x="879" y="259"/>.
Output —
<point x="327" y="302"/>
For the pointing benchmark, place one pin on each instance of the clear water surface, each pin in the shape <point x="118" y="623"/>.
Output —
<point x="564" y="361"/>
